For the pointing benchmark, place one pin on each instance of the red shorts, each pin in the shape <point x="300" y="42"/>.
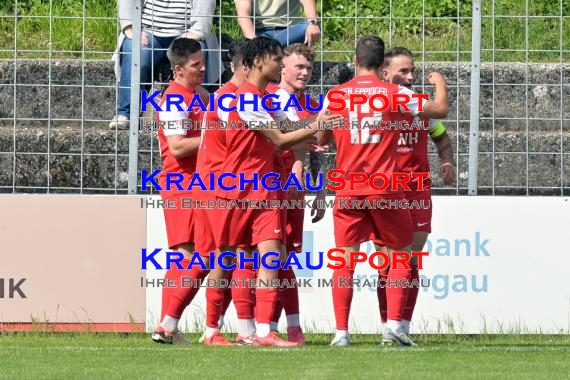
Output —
<point x="205" y="219"/>
<point x="421" y="217"/>
<point x="239" y="227"/>
<point x="179" y="221"/>
<point x="354" y="226"/>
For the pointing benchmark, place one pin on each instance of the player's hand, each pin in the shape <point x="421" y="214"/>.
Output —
<point x="312" y="34"/>
<point x="192" y="36"/>
<point x="436" y="78"/>
<point x="298" y="171"/>
<point x="447" y="173"/>
<point x="129" y="34"/>
<point x="314" y="148"/>
<point x="328" y="118"/>
<point x="318" y="213"/>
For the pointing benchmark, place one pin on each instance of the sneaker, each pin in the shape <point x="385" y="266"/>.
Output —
<point x="396" y="337"/>
<point x="272" y="339"/>
<point x="295" y="334"/>
<point x="217" y="340"/>
<point x="244" y="341"/>
<point x="119" y="122"/>
<point x="343" y="341"/>
<point x="160" y="335"/>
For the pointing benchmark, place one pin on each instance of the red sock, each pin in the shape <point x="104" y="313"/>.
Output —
<point x="396" y="295"/>
<point x="289" y="295"/>
<point x="412" y="296"/>
<point x="244" y="296"/>
<point x="342" y="296"/>
<point x="181" y="297"/>
<point x="381" y="293"/>
<point x="171" y="273"/>
<point x="278" y="310"/>
<point x="227" y="299"/>
<point x="214" y="306"/>
<point x="265" y="304"/>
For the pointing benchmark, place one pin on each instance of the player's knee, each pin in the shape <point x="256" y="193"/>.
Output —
<point x="187" y="249"/>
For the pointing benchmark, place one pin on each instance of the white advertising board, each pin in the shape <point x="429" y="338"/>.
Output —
<point x="496" y="264"/>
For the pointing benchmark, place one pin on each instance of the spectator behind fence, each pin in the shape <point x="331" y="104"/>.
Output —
<point x="162" y="22"/>
<point x="272" y="18"/>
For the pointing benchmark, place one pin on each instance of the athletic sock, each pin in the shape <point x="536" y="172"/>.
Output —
<point x="289" y="295"/>
<point x="412" y="295"/>
<point x="395" y="326"/>
<point x="381" y="294"/>
<point x="340" y="334"/>
<point x="342" y="296"/>
<point x="246" y="327"/>
<point x="210" y="331"/>
<point x="263" y="330"/>
<point x="182" y="296"/>
<point x="396" y="295"/>
<point x="244" y="296"/>
<point x="293" y="320"/>
<point x="227" y="298"/>
<point x="214" y="306"/>
<point x="169" y="323"/>
<point x="244" y="300"/>
<point x="171" y="274"/>
<point x="277" y="313"/>
<point x="265" y="305"/>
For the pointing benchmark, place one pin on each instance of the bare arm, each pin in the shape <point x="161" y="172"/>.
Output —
<point x="181" y="146"/>
<point x="324" y="137"/>
<point x="447" y="170"/>
<point x="243" y="10"/>
<point x="444" y="148"/>
<point x="313" y="32"/>
<point x="201" y="18"/>
<point x="439" y="107"/>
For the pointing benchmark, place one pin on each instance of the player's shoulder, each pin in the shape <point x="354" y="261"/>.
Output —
<point x="273" y="88"/>
<point x="227" y="88"/>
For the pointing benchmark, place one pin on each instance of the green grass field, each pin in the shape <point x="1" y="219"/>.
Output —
<point x="134" y="356"/>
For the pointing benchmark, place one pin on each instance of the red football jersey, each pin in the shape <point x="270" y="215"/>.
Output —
<point x="248" y="151"/>
<point x="287" y="159"/>
<point x="369" y="150"/>
<point x="212" y="151"/>
<point x="183" y="123"/>
<point x="413" y="150"/>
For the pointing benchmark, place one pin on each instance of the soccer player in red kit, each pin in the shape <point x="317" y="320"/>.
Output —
<point x="368" y="151"/>
<point x="412" y="157"/>
<point x="178" y="147"/>
<point x="297" y="71"/>
<point x="211" y="156"/>
<point x="250" y="150"/>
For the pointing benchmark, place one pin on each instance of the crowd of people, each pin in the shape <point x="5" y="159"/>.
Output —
<point x="264" y="63"/>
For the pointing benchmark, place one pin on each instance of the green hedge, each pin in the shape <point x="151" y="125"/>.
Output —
<point x="440" y="38"/>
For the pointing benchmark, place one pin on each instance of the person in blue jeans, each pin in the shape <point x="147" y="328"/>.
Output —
<point x="279" y="19"/>
<point x="162" y="22"/>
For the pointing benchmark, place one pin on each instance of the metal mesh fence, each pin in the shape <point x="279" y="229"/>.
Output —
<point x="58" y="90"/>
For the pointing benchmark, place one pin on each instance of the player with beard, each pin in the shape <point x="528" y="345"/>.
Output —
<point x="369" y="151"/>
<point x="412" y="157"/>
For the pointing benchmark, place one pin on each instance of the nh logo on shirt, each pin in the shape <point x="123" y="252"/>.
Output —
<point x="408" y="138"/>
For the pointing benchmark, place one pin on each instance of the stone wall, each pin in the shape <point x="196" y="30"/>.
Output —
<point x="83" y="95"/>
